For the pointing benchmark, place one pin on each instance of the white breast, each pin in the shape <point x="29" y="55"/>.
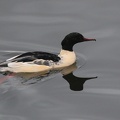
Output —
<point x="67" y="59"/>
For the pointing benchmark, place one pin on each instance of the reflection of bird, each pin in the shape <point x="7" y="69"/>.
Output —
<point x="43" y="61"/>
<point x="76" y="83"/>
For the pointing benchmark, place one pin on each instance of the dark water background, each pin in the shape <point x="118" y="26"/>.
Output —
<point x="30" y="25"/>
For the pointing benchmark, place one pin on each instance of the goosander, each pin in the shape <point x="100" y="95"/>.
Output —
<point x="38" y="61"/>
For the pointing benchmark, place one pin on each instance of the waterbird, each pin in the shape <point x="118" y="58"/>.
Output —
<point x="39" y="61"/>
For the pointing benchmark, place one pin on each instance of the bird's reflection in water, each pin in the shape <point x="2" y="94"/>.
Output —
<point x="75" y="83"/>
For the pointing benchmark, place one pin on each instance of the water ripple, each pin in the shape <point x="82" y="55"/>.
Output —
<point x="34" y="19"/>
<point x="101" y="33"/>
<point x="103" y="91"/>
<point x="11" y="117"/>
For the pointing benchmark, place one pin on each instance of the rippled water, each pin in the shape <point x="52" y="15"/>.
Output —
<point x="29" y="25"/>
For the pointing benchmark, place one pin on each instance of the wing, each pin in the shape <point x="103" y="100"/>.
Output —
<point x="32" y="56"/>
<point x="38" y="55"/>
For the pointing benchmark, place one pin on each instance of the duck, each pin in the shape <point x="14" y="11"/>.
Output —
<point x="39" y="61"/>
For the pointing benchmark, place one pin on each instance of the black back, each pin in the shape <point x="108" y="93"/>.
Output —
<point x="30" y="56"/>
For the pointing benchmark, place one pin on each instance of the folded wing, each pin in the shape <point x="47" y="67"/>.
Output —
<point x="37" y="57"/>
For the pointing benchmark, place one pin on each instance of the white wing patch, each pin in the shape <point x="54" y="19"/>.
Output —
<point x="12" y="58"/>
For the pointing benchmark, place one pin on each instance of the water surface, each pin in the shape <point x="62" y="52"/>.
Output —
<point x="29" y="25"/>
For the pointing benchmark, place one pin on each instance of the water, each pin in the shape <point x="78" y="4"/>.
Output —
<point x="29" y="25"/>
